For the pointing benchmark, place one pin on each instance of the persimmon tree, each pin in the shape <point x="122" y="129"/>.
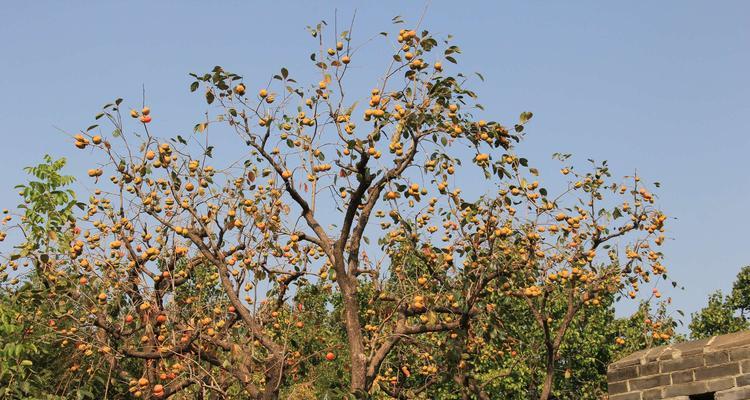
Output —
<point x="554" y="259"/>
<point x="571" y="251"/>
<point x="511" y="362"/>
<point x="400" y="162"/>
<point x="195" y="267"/>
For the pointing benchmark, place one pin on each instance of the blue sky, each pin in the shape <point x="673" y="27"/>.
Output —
<point x="658" y="87"/>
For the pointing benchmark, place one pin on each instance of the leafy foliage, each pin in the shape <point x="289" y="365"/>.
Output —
<point x="724" y="314"/>
<point x="33" y="364"/>
<point x="339" y="256"/>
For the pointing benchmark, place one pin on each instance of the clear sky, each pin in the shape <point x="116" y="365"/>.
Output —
<point x="661" y="87"/>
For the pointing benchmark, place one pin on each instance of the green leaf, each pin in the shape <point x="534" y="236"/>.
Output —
<point x="201" y="127"/>
<point x="525" y="116"/>
<point x="616" y="213"/>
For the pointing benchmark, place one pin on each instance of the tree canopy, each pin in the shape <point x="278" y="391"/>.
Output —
<point x="337" y="253"/>
<point x="724" y="314"/>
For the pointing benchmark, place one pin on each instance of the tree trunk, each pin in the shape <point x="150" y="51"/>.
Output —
<point x="549" y="373"/>
<point x="273" y="377"/>
<point x="348" y="285"/>
<point x="357" y="359"/>
<point x="269" y="395"/>
<point x="469" y="386"/>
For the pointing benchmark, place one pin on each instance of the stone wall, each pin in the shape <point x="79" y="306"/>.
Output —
<point x="715" y="368"/>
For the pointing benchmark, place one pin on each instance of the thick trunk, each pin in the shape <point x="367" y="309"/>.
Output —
<point x="269" y="395"/>
<point x="347" y="283"/>
<point x="549" y="373"/>
<point x="273" y="376"/>
<point x="358" y="359"/>
<point x="470" y="387"/>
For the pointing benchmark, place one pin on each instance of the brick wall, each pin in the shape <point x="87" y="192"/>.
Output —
<point x="718" y="365"/>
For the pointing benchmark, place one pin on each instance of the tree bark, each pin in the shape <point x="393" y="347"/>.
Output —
<point x="273" y="377"/>
<point x="549" y="373"/>
<point x="357" y="357"/>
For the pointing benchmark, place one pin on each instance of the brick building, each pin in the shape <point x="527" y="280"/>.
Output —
<point x="716" y="368"/>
